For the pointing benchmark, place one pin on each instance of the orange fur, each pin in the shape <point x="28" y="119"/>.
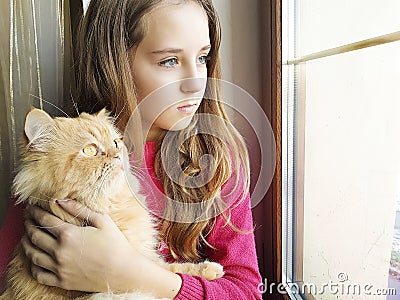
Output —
<point x="54" y="167"/>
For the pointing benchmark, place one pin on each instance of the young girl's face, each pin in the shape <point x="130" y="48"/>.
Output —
<point x="172" y="55"/>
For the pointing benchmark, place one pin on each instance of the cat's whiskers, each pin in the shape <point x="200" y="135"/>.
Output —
<point x="100" y="185"/>
<point x="73" y="102"/>
<point x="55" y="106"/>
<point x="48" y="197"/>
<point x="41" y="199"/>
<point x="138" y="174"/>
<point x="141" y="173"/>
<point x="120" y="112"/>
<point x="86" y="220"/>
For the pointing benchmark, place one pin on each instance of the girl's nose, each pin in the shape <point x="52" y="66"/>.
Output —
<point x="193" y="85"/>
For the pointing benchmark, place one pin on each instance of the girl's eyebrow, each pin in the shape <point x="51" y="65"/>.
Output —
<point x="176" y="50"/>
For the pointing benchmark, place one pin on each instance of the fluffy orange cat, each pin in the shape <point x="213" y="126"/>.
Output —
<point x="57" y="154"/>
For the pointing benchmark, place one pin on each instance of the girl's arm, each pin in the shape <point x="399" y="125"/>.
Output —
<point x="236" y="252"/>
<point x="96" y="258"/>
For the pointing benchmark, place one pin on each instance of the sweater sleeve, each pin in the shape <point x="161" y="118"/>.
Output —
<point x="10" y="234"/>
<point x="236" y="252"/>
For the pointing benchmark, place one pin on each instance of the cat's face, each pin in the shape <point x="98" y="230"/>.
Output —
<point x="81" y="158"/>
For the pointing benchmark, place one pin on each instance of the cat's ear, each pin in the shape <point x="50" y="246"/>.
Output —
<point x="103" y="113"/>
<point x="35" y="120"/>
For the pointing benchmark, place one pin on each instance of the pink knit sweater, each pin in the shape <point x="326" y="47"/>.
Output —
<point x="234" y="251"/>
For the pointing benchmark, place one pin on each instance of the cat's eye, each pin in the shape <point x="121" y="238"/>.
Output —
<point x="90" y="150"/>
<point x="118" y="143"/>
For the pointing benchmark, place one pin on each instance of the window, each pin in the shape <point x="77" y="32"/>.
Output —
<point x="340" y="148"/>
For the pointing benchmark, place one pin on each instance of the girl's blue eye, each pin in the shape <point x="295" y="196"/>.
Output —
<point x="203" y="59"/>
<point x="169" y="63"/>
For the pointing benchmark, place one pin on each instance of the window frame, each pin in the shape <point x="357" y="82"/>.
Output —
<point x="269" y="240"/>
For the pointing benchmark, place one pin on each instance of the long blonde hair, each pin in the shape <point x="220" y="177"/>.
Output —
<point x="108" y="30"/>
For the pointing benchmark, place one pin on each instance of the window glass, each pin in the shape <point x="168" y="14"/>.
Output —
<point x="340" y="145"/>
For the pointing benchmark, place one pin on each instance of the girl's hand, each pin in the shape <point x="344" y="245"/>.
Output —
<point x="94" y="258"/>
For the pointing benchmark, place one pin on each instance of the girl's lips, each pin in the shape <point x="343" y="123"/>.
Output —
<point x="188" y="109"/>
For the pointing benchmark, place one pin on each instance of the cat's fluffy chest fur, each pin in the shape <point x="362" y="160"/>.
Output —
<point x="82" y="158"/>
<point x="133" y="219"/>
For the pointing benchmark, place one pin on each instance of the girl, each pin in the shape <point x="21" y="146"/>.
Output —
<point x="127" y="50"/>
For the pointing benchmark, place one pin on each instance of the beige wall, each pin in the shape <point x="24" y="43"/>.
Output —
<point x="240" y="49"/>
<point x="241" y="60"/>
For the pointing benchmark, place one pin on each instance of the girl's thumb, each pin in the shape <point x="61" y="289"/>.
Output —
<point x="82" y="212"/>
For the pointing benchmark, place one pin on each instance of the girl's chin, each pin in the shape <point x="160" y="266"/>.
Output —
<point x="181" y="124"/>
<point x="157" y="129"/>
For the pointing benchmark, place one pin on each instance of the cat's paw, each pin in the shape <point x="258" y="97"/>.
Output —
<point x="211" y="270"/>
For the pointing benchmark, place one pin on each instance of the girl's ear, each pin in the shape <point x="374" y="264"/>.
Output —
<point x="35" y="119"/>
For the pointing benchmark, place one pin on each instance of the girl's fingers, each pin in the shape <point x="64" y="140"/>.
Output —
<point x="37" y="257"/>
<point x="47" y="221"/>
<point x="40" y="238"/>
<point x="82" y="212"/>
<point x="44" y="277"/>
